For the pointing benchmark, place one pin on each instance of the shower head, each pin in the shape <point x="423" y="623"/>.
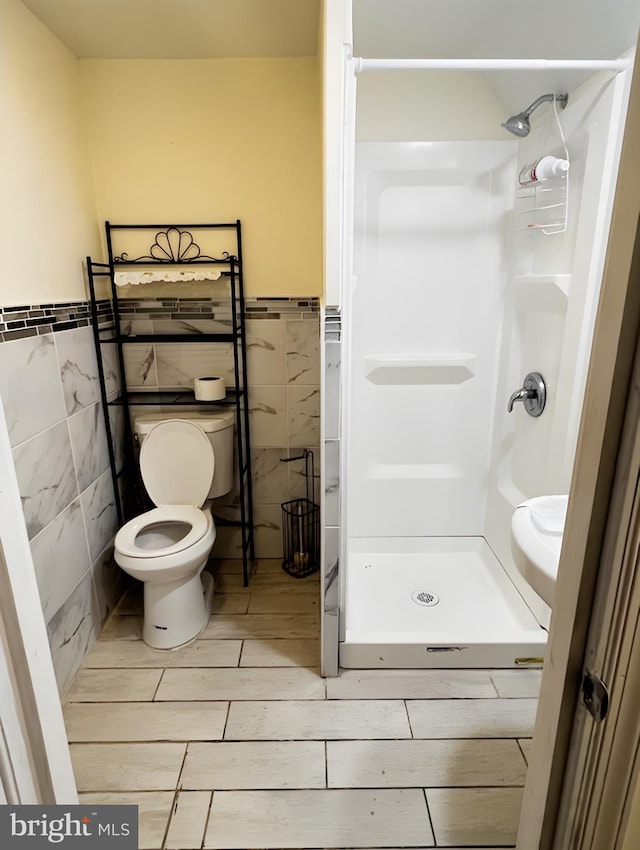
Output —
<point x="519" y="124"/>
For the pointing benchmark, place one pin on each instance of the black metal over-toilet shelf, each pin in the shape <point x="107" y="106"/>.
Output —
<point x="172" y="246"/>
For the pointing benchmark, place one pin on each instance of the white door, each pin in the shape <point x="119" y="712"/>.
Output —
<point x="35" y="766"/>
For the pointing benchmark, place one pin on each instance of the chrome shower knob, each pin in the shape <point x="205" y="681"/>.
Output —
<point x="533" y="394"/>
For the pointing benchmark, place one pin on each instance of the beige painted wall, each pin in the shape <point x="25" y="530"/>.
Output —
<point x="47" y="210"/>
<point x="215" y="140"/>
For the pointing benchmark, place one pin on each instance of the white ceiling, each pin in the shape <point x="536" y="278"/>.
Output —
<point x="553" y="29"/>
<point x="191" y="29"/>
<point x="182" y="29"/>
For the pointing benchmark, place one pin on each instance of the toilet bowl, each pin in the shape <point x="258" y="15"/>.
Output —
<point x="167" y="547"/>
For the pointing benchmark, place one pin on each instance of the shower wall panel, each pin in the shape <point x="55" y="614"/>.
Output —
<point x="423" y="328"/>
<point x="550" y="306"/>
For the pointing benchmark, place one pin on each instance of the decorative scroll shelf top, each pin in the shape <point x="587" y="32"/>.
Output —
<point x="174" y="246"/>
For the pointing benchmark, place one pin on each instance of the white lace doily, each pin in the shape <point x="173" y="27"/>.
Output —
<point x="167" y="275"/>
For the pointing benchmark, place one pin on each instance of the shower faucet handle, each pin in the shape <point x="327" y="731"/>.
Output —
<point x="518" y="395"/>
<point x="533" y="394"/>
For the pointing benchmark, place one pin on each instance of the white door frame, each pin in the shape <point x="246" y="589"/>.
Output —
<point x="591" y="509"/>
<point x="35" y="765"/>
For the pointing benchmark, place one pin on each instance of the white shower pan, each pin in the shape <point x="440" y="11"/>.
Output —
<point x="436" y="602"/>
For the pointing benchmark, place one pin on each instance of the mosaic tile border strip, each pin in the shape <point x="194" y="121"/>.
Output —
<point x="38" y="319"/>
<point x="218" y="308"/>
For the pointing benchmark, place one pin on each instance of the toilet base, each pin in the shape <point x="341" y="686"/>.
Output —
<point x="175" y="612"/>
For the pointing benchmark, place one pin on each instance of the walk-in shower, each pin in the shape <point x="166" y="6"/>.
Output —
<point x="519" y="124"/>
<point x="456" y="294"/>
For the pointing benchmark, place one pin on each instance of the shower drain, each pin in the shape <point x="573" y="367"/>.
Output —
<point x="423" y="597"/>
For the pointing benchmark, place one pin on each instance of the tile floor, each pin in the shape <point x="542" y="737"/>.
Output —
<point x="236" y="742"/>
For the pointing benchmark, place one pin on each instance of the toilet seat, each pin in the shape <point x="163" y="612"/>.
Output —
<point x="125" y="541"/>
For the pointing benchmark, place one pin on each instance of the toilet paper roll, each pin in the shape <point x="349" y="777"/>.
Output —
<point x="209" y="388"/>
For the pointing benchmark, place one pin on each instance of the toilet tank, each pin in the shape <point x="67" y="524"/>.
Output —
<point x="219" y="430"/>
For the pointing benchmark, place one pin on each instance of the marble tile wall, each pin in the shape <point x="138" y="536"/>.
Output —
<point x="283" y="367"/>
<point x="50" y="391"/>
<point x="331" y="335"/>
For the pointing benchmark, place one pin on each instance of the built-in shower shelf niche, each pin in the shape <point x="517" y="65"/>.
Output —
<point x="552" y="283"/>
<point x="395" y="370"/>
<point x="543" y="206"/>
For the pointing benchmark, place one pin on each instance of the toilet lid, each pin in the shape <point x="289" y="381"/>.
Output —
<point x="177" y="463"/>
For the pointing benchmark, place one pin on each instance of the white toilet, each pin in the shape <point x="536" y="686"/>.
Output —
<point x="183" y="462"/>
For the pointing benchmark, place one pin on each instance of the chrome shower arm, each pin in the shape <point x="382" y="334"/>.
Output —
<point x="561" y="100"/>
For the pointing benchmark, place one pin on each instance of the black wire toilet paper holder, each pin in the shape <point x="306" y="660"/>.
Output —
<point x="301" y="526"/>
